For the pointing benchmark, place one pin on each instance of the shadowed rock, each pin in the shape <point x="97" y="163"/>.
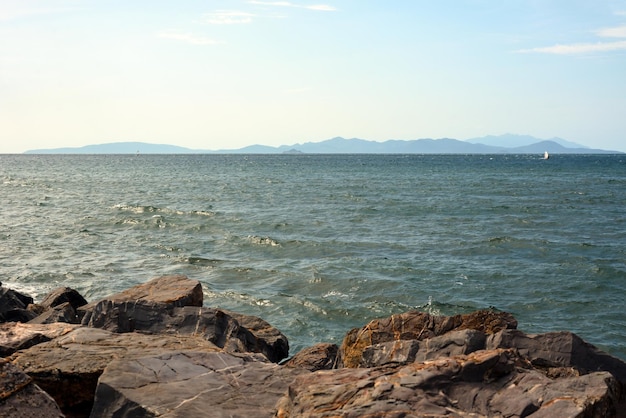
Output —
<point x="321" y="356"/>
<point x="13" y="306"/>
<point x="63" y="312"/>
<point x="21" y="398"/>
<point x="62" y="295"/>
<point x="559" y="349"/>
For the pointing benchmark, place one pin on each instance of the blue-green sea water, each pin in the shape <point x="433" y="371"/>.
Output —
<point x="320" y="244"/>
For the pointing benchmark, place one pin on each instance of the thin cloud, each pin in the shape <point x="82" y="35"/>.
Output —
<point x="583" y="48"/>
<point x="587" y="47"/>
<point x="188" y="38"/>
<point x="317" y="7"/>
<point x="229" y="17"/>
<point x="617" y="32"/>
<point x="8" y="13"/>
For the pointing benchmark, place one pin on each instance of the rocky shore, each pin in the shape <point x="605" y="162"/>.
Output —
<point x="154" y="350"/>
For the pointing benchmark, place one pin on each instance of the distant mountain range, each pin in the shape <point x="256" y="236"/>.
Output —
<point x="509" y="144"/>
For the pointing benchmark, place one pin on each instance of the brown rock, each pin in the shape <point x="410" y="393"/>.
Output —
<point x="414" y="325"/>
<point x="169" y="291"/>
<point x="405" y="351"/>
<point x="321" y="356"/>
<point x="484" y="383"/>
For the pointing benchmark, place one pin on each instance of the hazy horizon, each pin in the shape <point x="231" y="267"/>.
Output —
<point x="232" y="73"/>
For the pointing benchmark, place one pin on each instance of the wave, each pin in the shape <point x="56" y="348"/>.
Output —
<point x="140" y="209"/>
<point x="263" y="241"/>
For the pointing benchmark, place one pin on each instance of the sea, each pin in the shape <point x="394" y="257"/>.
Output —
<point x="319" y="244"/>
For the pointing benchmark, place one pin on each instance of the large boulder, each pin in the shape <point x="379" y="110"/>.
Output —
<point x="415" y="325"/>
<point x="494" y="383"/>
<point x="173" y="304"/>
<point x="69" y="366"/>
<point x="192" y="384"/>
<point x="165" y="292"/>
<point x="21" y="398"/>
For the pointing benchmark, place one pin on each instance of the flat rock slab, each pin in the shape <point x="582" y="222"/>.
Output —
<point x="68" y="367"/>
<point x="192" y="384"/>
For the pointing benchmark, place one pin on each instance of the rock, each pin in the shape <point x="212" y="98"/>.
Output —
<point x="21" y="398"/>
<point x="165" y="291"/>
<point x="267" y="339"/>
<point x="69" y="366"/>
<point x="173" y="304"/>
<point x="559" y="349"/>
<point x="321" y="356"/>
<point x="415" y="325"/>
<point x="17" y="336"/>
<point x="484" y="383"/>
<point x="59" y="313"/>
<point x="62" y="295"/>
<point x="192" y="384"/>
<point x="405" y="351"/>
<point x="13" y="306"/>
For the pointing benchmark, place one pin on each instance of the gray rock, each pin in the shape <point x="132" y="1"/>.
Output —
<point x="192" y="384"/>
<point x="559" y="349"/>
<point x="63" y="312"/>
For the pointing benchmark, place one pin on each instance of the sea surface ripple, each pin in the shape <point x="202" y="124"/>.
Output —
<point x="320" y="244"/>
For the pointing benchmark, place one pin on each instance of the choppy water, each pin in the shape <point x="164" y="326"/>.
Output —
<point x="320" y="244"/>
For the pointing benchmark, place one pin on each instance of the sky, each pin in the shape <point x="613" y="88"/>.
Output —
<point x="224" y="74"/>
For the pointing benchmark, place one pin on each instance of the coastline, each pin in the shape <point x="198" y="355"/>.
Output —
<point x="159" y="336"/>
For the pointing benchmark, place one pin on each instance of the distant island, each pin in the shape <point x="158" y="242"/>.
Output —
<point x="502" y="144"/>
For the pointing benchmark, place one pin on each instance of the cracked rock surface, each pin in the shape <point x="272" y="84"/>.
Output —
<point x="191" y="384"/>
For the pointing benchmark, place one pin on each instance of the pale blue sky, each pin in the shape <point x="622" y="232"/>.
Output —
<point x="226" y="74"/>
